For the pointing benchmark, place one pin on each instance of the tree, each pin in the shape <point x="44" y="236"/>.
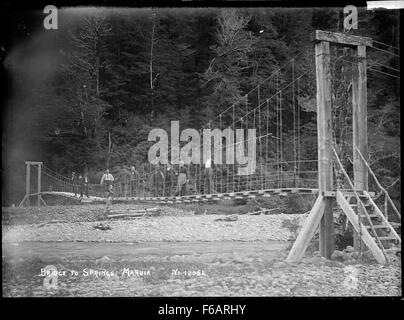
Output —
<point x="83" y="73"/>
<point x="224" y="72"/>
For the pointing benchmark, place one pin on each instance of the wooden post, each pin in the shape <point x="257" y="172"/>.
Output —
<point x="39" y="186"/>
<point x="28" y="183"/>
<point x="324" y="129"/>
<point x="359" y="121"/>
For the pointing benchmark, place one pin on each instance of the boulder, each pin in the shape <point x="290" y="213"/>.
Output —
<point x="103" y="260"/>
<point x="280" y="264"/>
<point x="349" y="249"/>
<point x="337" y="255"/>
<point x="355" y="255"/>
<point x="335" y="264"/>
<point x="345" y="256"/>
<point x="317" y="261"/>
<point x="232" y="217"/>
<point x="316" y="254"/>
<point x="368" y="256"/>
<point x="102" y="227"/>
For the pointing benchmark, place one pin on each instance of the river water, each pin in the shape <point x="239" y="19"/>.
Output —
<point x="90" y="250"/>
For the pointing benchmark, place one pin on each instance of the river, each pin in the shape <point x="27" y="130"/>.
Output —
<point x="90" y="250"/>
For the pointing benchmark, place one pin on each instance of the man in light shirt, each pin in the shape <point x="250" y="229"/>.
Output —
<point x="108" y="179"/>
<point x="182" y="180"/>
<point x="208" y="175"/>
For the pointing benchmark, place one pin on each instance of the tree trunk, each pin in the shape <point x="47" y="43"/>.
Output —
<point x="98" y="77"/>
<point x="151" y="67"/>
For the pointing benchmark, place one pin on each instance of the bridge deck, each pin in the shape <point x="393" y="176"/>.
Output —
<point x="204" y="197"/>
<point x="69" y="195"/>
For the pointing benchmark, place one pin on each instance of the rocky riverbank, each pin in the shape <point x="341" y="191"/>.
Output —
<point x="162" y="228"/>
<point x="76" y="213"/>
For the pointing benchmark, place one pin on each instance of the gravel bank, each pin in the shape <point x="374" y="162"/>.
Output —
<point x="76" y="213"/>
<point x="163" y="228"/>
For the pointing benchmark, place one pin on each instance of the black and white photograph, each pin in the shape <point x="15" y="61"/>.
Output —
<point x="194" y="150"/>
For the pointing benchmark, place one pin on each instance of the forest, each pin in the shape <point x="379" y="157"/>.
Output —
<point x="85" y="96"/>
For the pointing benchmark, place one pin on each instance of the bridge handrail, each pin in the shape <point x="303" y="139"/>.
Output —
<point x="386" y="194"/>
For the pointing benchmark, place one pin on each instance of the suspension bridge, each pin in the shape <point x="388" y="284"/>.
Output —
<point x="284" y="162"/>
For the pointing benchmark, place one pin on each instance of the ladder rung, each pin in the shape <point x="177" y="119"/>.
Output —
<point x="359" y="195"/>
<point x="395" y="224"/>
<point x="371" y="215"/>
<point x="365" y="204"/>
<point x="387" y="238"/>
<point x="379" y="226"/>
<point x="393" y="250"/>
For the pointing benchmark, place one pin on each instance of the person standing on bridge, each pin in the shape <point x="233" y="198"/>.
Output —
<point x="86" y="185"/>
<point x="208" y="177"/>
<point x="74" y="181"/>
<point x="124" y="179"/>
<point x="132" y="179"/>
<point x="182" y="180"/>
<point x="83" y="182"/>
<point x="81" y="185"/>
<point x="107" y="180"/>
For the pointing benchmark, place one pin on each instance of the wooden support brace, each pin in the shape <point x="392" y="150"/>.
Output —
<point x="309" y="228"/>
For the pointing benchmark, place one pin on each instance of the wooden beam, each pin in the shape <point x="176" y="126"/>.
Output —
<point x="22" y="201"/>
<point x="359" y="124"/>
<point x="340" y="38"/>
<point x="28" y="183"/>
<point x="43" y="201"/>
<point x="39" y="185"/>
<point x="366" y="237"/>
<point x="324" y="136"/>
<point x="34" y="162"/>
<point x="308" y="230"/>
<point x="327" y="240"/>
<point x="324" y="116"/>
<point x="359" y="120"/>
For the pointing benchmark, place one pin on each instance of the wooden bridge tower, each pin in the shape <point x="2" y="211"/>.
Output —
<point x="26" y="198"/>
<point x="321" y="214"/>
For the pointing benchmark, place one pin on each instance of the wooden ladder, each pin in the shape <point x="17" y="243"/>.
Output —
<point x="373" y="227"/>
<point x="378" y="234"/>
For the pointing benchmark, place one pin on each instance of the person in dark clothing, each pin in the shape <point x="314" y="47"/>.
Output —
<point x="81" y="185"/>
<point x="74" y="181"/>
<point x="157" y="181"/>
<point x="123" y="177"/>
<point x="85" y="185"/>
<point x="133" y="181"/>
<point x="169" y="178"/>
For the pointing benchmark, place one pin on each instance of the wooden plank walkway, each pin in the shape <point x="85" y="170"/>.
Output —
<point x="222" y="196"/>
<point x="195" y="198"/>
